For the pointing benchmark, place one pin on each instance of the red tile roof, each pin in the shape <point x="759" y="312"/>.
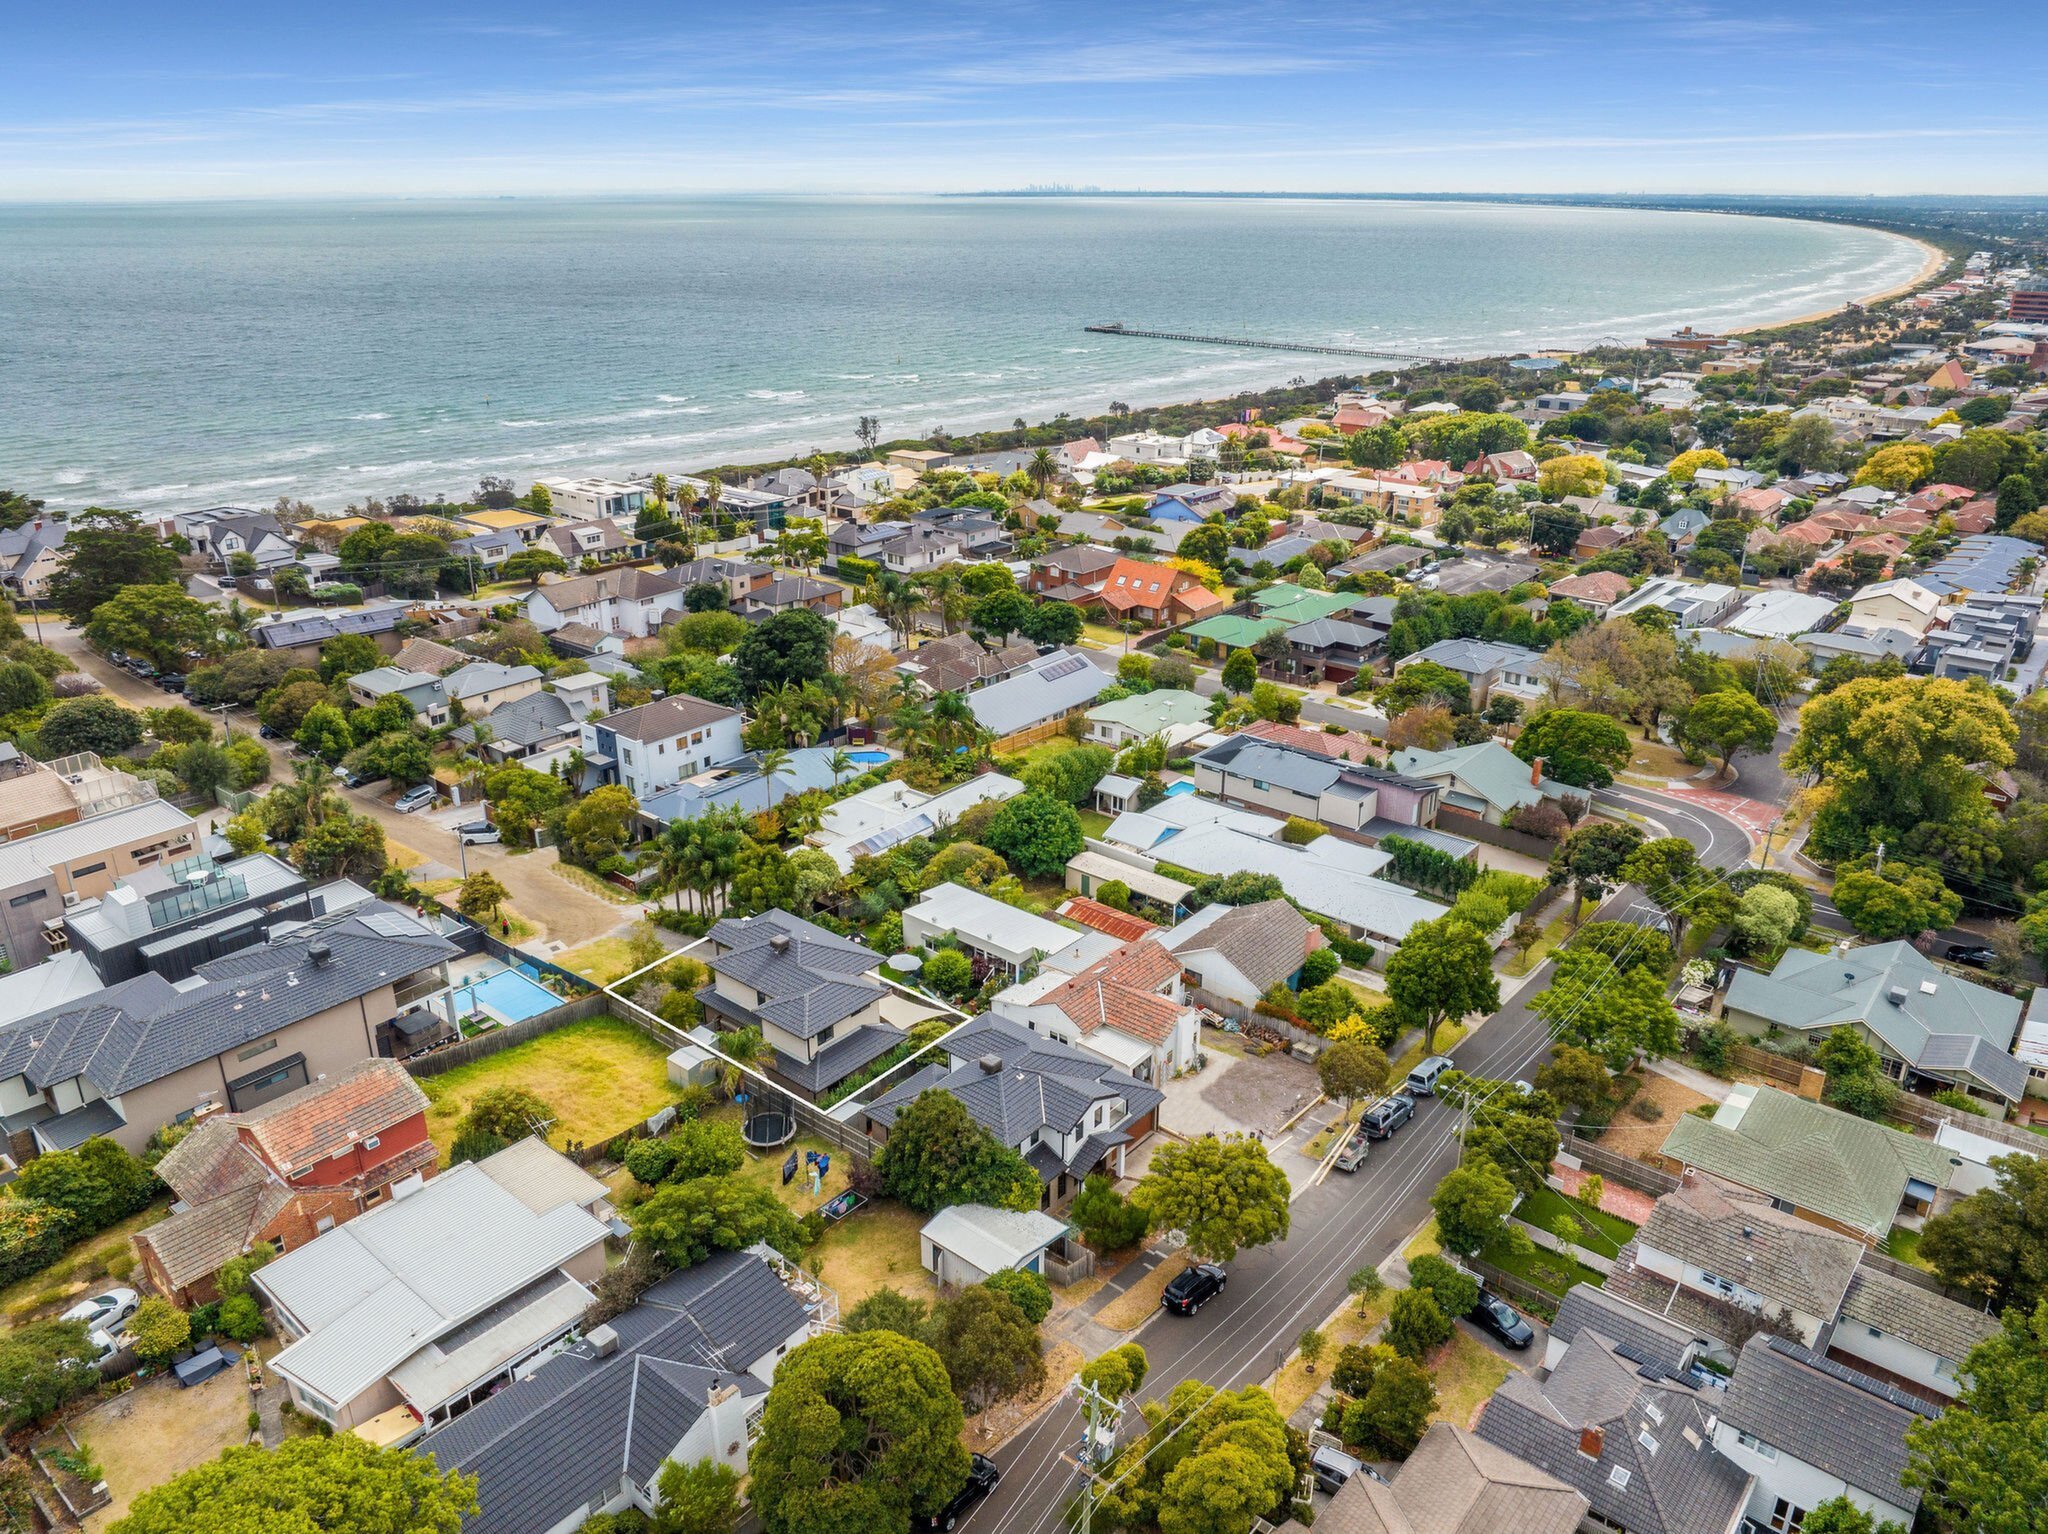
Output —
<point x="1137" y="583"/>
<point x="1346" y="745"/>
<point x="1600" y="586"/>
<point x="1121" y="990"/>
<point x="1118" y="924"/>
<point x="328" y="1117"/>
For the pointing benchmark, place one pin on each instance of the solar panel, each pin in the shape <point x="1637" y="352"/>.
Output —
<point x="1067" y="667"/>
<point x="392" y="924"/>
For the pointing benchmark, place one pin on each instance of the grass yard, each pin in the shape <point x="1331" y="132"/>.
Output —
<point x="600" y="1077"/>
<point x="1045" y="750"/>
<point x="1001" y="1421"/>
<point x="874" y="1249"/>
<point x="1551" y="1271"/>
<point x="1655" y="762"/>
<point x="1547" y="1209"/>
<point x="606" y="959"/>
<point x="145" y="1436"/>
<point x="767" y="1171"/>
<point x="1094" y="823"/>
<point x="1425" y="1244"/>
<point x="1133" y="1308"/>
<point x="1552" y="935"/>
<point x="1903" y="1245"/>
<point x="398" y="855"/>
<point x="1466" y="1374"/>
<point x="89" y="1265"/>
<point x="1294" y="1383"/>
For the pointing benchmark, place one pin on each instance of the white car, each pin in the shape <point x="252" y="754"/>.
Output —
<point x="414" y="799"/>
<point x="104" y="1312"/>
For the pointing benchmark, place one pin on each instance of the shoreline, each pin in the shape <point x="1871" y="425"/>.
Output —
<point x="1930" y="267"/>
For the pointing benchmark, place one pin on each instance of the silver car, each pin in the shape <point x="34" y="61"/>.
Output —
<point x="104" y="1311"/>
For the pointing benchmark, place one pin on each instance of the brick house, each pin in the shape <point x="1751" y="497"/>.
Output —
<point x="285" y="1172"/>
<point x="1156" y="594"/>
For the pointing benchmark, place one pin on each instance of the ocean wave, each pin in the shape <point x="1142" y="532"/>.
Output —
<point x="672" y="399"/>
<point x="525" y="425"/>
<point x="372" y="415"/>
<point x="70" y="476"/>
<point x="776" y="394"/>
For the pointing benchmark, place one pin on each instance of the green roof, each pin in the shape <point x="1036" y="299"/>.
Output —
<point x="1152" y="712"/>
<point x="1818" y="1158"/>
<point x="1237" y="632"/>
<point x="1297" y="604"/>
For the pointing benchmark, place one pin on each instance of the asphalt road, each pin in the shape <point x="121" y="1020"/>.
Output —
<point x="1275" y="1292"/>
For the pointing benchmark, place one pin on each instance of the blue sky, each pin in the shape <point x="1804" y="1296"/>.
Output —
<point x="123" y="100"/>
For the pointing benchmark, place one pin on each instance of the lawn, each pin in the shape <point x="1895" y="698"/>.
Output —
<point x="874" y="1249"/>
<point x="1552" y="935"/>
<point x="1094" y="823"/>
<point x="590" y="883"/>
<point x="1466" y="1373"/>
<point x="606" y="959"/>
<point x="1552" y="1271"/>
<point x="1133" y="1308"/>
<point x="1045" y="750"/>
<point x="1295" y="1383"/>
<point x="1603" y="1232"/>
<point x="145" y="1436"/>
<point x="767" y="1171"/>
<point x="600" y="1077"/>
<point x="1903" y="1245"/>
<point x="1425" y="1244"/>
<point x="86" y="1266"/>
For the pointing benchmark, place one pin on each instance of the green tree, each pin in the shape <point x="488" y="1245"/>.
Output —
<point x="1669" y="871"/>
<point x="22" y="688"/>
<point x="205" y="767"/>
<point x="688" y="1221"/>
<point x="699" y="1498"/>
<point x="341" y="846"/>
<point x="790" y="648"/>
<point x="1240" y="671"/>
<point x="1441" y="971"/>
<point x="481" y="896"/>
<point x="937" y="1156"/>
<point x="1593" y="858"/>
<point x="1352" y="1069"/>
<point x="324" y="733"/>
<point x="1765" y="918"/>
<point x="1614" y="1013"/>
<point x="599" y="824"/>
<point x="1901" y="902"/>
<point x="1029" y="1292"/>
<point x="1416" y="1325"/>
<point x="339" y="1484"/>
<point x="1995" y="1241"/>
<point x="1108" y="1220"/>
<point x="105" y="553"/>
<point x="530" y="565"/>
<point x="1000" y="613"/>
<point x="949" y="972"/>
<point x="498" y="1117"/>
<point x="1471" y="1205"/>
<point x="1222" y="1194"/>
<point x="1838" y="1515"/>
<point x="42" y="1367"/>
<point x="1983" y="1463"/>
<point x="889" y="1310"/>
<point x="1576" y="747"/>
<point x="1576" y="1077"/>
<point x="347" y="655"/>
<point x="1454" y="1290"/>
<point x="159" y="622"/>
<point x="158" y="1329"/>
<point x="1396" y="1411"/>
<point x="861" y="1432"/>
<point x="1036" y="834"/>
<point x="1054" y="623"/>
<point x="2017" y="496"/>
<point x="1727" y="723"/>
<point x="90" y="724"/>
<point x="98" y="1183"/>
<point x="178" y="725"/>
<point x="522" y="799"/>
<point x="284" y="708"/>
<point x="988" y="1345"/>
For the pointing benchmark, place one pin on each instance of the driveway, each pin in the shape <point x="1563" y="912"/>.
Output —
<point x="1236" y="1094"/>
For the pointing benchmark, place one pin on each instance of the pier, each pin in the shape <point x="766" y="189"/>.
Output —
<point x="1323" y="349"/>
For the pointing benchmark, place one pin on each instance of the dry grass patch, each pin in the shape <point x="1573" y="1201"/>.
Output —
<point x="398" y="855"/>
<point x="1133" y="1308"/>
<point x="766" y="1170"/>
<point x="603" y="960"/>
<point x="1425" y="1244"/>
<point x="589" y="882"/>
<point x="1655" y="762"/>
<point x="1005" y="1419"/>
<point x="874" y="1249"/>
<point x="1294" y="1383"/>
<point x="600" y="1077"/>
<point x="1466" y="1374"/>
<point x="1642" y="1138"/>
<point x="145" y="1436"/>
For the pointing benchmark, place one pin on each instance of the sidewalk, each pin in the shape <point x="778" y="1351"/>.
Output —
<point x="1698" y="1080"/>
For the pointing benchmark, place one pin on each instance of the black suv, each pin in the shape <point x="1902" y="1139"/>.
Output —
<point x="1387" y="1115"/>
<point x="1493" y="1314"/>
<point x="982" y="1476"/>
<point x="1193" y="1288"/>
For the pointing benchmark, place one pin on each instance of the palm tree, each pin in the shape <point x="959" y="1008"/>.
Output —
<point x="896" y="600"/>
<point x="953" y="722"/>
<point x="946" y="597"/>
<point x="841" y="764"/>
<point x="908" y="720"/>
<point x="1043" y="469"/>
<point x="775" y="759"/>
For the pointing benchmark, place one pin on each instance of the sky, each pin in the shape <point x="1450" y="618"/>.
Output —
<point x="122" y="100"/>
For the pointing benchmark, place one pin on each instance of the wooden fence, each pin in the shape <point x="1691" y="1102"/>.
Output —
<point x="1806" y="1080"/>
<point x="489" y="1043"/>
<point x="1626" y="1170"/>
<point x="1453" y="822"/>
<point x="1499" y="1281"/>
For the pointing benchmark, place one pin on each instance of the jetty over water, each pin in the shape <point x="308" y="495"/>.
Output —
<point x="1323" y="348"/>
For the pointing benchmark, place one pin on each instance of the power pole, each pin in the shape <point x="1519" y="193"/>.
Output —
<point x="1770" y="831"/>
<point x="1880" y="857"/>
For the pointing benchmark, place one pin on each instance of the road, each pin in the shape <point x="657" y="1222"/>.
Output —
<point x="1348" y="1223"/>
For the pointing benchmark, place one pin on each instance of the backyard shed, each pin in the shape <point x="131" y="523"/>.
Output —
<point x="966" y="1243"/>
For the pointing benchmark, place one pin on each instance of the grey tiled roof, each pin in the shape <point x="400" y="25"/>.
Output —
<point x="806" y="985"/>
<point x="665" y="717"/>
<point x="1265" y="942"/>
<point x="1740" y="1237"/>
<point x="839" y="1059"/>
<point x="1835" y="1419"/>
<point x="528" y="721"/>
<point x="1912" y="1314"/>
<point x="1640" y="1334"/>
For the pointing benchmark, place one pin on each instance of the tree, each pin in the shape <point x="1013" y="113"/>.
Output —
<point x="90" y="724"/>
<point x="158" y="1329"/>
<point x="1352" y="1069"/>
<point x="521" y="799"/>
<point x="1396" y="1410"/>
<point x="1029" y="1292"/>
<point x="1571" y="474"/>
<point x="1222" y="1194"/>
<point x="43" y="1366"/>
<point x="1054" y="623"/>
<point x="1727" y="723"/>
<point x="159" y="622"/>
<point x="694" y="1148"/>
<point x="22" y="688"/>
<point x="324" y="732"/>
<point x="342" y="846"/>
<point x="1471" y="1205"/>
<point x="1310" y="1345"/>
<point x="861" y="1431"/>
<point x="1897" y="466"/>
<point x="1425" y="727"/>
<point x="1765" y="918"/>
<point x="498" y="1117"/>
<point x="530" y="565"/>
<point x="599" y="824"/>
<point x="1000" y="613"/>
<point x="1107" y="1219"/>
<point x="1576" y="1077"/>
<point x="347" y="655"/>
<point x="1240" y="671"/>
<point x="1211" y="1462"/>
<point x="1668" y="870"/>
<point x="889" y="1310"/>
<point x="1592" y="858"/>
<point x="323" y="1484"/>
<point x="1682" y="468"/>
<point x="700" y="1498"/>
<point x="481" y="895"/>
<point x="949" y="972"/>
<point x="988" y="1345"/>
<point x="1838" y="1515"/>
<point x="688" y="1221"/>
<point x="1901" y="902"/>
<point x="1995" y="1241"/>
<point x="1441" y="971"/>
<point x="177" y="725"/>
<point x="937" y="1156"/>
<point x="1983" y="1462"/>
<point x="105" y="553"/>
<point x="1575" y="747"/>
<point x="792" y="647"/>
<point x="1417" y="1324"/>
<point x="1036" y="834"/>
<point x="1617" y="1014"/>
<point x="98" y="1183"/>
<point x="1454" y="1290"/>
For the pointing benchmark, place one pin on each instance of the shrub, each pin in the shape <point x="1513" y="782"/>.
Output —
<point x="949" y="972"/>
<point x="1107" y="1219"/>
<point x="1648" y="1109"/>
<point x="1029" y="1292"/>
<point x="1417" y="1323"/>
<point x="1319" y="967"/>
<point x="1962" y="1102"/>
<point x="1300" y="832"/>
<point x="33" y="1235"/>
<point x="159" y="1329"/>
<point x="240" y="1320"/>
<point x="233" y="1278"/>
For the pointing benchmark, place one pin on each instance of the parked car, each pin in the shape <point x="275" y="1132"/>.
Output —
<point x="1495" y="1315"/>
<point x="1193" y="1288"/>
<point x="1332" y="1468"/>
<point x="170" y="681"/>
<point x="1422" y="1080"/>
<point x="351" y="778"/>
<point x="476" y="832"/>
<point x="1387" y="1115"/>
<point x="1973" y="955"/>
<point x="982" y="1476"/>
<point x="1352" y="1156"/>
<point x="267" y="732"/>
<point x="414" y="799"/>
<point x="104" y="1311"/>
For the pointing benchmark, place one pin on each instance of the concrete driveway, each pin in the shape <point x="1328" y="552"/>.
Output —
<point x="1236" y="1094"/>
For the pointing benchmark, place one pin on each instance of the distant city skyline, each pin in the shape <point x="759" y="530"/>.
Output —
<point x="234" y="100"/>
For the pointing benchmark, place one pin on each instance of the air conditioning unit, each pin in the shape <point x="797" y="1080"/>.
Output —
<point x="70" y="899"/>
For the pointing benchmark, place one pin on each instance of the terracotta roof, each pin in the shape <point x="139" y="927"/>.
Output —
<point x="1118" y="924"/>
<point x="428" y="655"/>
<point x="328" y="1117"/>
<point x="1199" y="600"/>
<point x="196" y="1241"/>
<point x="210" y="1162"/>
<point x="1139" y="583"/>
<point x="1600" y="586"/>
<point x="1121" y="990"/>
<point x="1345" y="745"/>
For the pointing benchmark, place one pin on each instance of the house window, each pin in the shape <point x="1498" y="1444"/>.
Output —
<point x="1755" y="1445"/>
<point x="1786" y="1517"/>
<point x="825" y="1034"/>
<point x="30" y="898"/>
<point x="256" y="1049"/>
<point x="89" y="868"/>
<point x="373" y="1142"/>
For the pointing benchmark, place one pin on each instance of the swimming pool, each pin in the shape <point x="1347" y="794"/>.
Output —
<point x="508" y="996"/>
<point x="869" y="758"/>
<point x="1178" y="789"/>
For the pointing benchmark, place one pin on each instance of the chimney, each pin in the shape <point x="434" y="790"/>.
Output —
<point x="991" y="1065"/>
<point x="779" y="942"/>
<point x="1592" y="1441"/>
<point x="603" y="1341"/>
<point x="1536" y="773"/>
<point x="321" y="955"/>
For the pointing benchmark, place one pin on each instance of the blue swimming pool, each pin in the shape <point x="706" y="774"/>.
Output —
<point x="508" y="996"/>
<point x="1178" y="789"/>
<point x="869" y="758"/>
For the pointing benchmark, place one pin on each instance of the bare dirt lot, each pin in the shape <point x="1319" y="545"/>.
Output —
<point x="1238" y="1093"/>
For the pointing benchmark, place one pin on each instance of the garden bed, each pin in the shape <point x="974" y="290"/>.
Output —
<point x="1552" y="1272"/>
<point x="1547" y="1209"/>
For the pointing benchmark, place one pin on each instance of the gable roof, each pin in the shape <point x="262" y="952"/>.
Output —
<point x="526" y="721"/>
<point x="1265" y="942"/>
<point x="482" y="676"/>
<point x="1151" y="712"/>
<point x="806" y="985"/>
<point x="1488" y="771"/>
<point x="1642" y="1334"/>
<point x="1140" y="583"/>
<point x="992" y="1239"/>
<point x="1818" y="1158"/>
<point x="1916" y="1315"/>
<point x="1601" y="586"/>
<point x="1122" y="990"/>
<point x="1739" y="1236"/>
<point x="1052" y="686"/>
<point x="1834" y="1418"/>
<point x="664" y="717"/>
<point x="1347" y="744"/>
<point x="1454" y="1483"/>
<point x="332" y="1115"/>
<point x="1121" y="925"/>
<point x="626" y="583"/>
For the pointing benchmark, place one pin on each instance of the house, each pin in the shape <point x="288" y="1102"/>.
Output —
<point x="878" y="818"/>
<point x="1094" y="526"/>
<point x="1463" y="577"/>
<point x="1502" y="467"/>
<point x="1694" y="604"/>
<point x="660" y="743"/>
<point x="1048" y="690"/>
<point x="1829" y="1167"/>
<point x="485" y="552"/>
<point x="35" y="796"/>
<point x="482" y="685"/>
<point x="1487" y="781"/>
<point x="1982" y="636"/>
<point x="1455" y="1482"/>
<point x="1932" y="1029"/>
<point x="628" y="601"/>
<point x="1782" y="615"/>
<point x="967" y="1243"/>
<point x="1155" y="595"/>
<point x="31" y="554"/>
<point x="1595" y="541"/>
<point x="736" y="576"/>
<point x="1727" y="481"/>
<point x="1287" y="546"/>
<point x="587" y="500"/>
<point x="785" y="593"/>
<point x="421" y="691"/>
<point x="1065" y="1110"/>
<point x="916" y="549"/>
<point x="598" y="541"/>
<point x="1282" y="779"/>
<point x="1597" y="593"/>
<point x="1093" y="914"/>
<point x="286" y="1172"/>
<point x="1636" y="1444"/>
<point x="433" y="1301"/>
<point x="1232" y="955"/>
<point x="1486" y="667"/>
<point x="1762" y="503"/>
<point x="1174" y="713"/>
<point x="1073" y="574"/>
<point x="1126" y="1004"/>
<point x="1657" y="1341"/>
<point x="45" y="873"/>
<point x="221" y="532"/>
<point x="741" y="784"/>
<point x="1900" y="604"/>
<point x="809" y="991"/>
<point x="859" y="540"/>
<point x="1332" y="649"/>
<point x="1387" y="559"/>
<point x="681" y="1376"/>
<point x="1809" y="1430"/>
<point x="960" y="662"/>
<point x="1349" y="745"/>
<point x="173" y="917"/>
<point x="1188" y="503"/>
<point x="1000" y="938"/>
<point x="523" y="525"/>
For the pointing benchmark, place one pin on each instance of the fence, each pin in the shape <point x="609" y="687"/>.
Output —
<point x="1626" y="1170"/>
<point x="1500" y="1281"/>
<point x="1457" y="823"/>
<point x="484" y="1045"/>
<point x="1925" y="1113"/>
<point x="1806" y="1080"/>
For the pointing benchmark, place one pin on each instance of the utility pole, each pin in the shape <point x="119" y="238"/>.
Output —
<point x="1880" y="857"/>
<point x="1101" y="1417"/>
<point x="1770" y="831"/>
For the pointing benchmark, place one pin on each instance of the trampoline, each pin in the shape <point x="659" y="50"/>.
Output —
<point x="768" y="1124"/>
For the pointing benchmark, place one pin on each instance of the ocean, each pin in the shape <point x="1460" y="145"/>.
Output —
<point x="175" y="356"/>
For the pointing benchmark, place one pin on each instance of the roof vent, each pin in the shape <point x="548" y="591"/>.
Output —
<point x="991" y="1065"/>
<point x="1749" y="1233"/>
<point x="779" y="942"/>
<point x="1591" y="1442"/>
<point x="1896" y="996"/>
<point x="603" y="1341"/>
<point x="321" y="955"/>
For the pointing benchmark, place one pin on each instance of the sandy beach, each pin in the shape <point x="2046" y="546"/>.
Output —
<point x="1934" y="259"/>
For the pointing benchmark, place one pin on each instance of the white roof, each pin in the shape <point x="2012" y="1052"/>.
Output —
<point x="33" y="856"/>
<point x="1102" y="868"/>
<point x="1329" y="875"/>
<point x="894" y="810"/>
<point x="989" y="923"/>
<point x="374" y="1292"/>
<point x="1779" y="614"/>
<point x="1975" y="1147"/>
<point x="541" y="1177"/>
<point x="1146" y="830"/>
<point x="992" y="1239"/>
<point x="60" y="978"/>
<point x="1912" y="593"/>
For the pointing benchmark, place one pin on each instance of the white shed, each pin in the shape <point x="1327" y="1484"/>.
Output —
<point x="966" y="1243"/>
